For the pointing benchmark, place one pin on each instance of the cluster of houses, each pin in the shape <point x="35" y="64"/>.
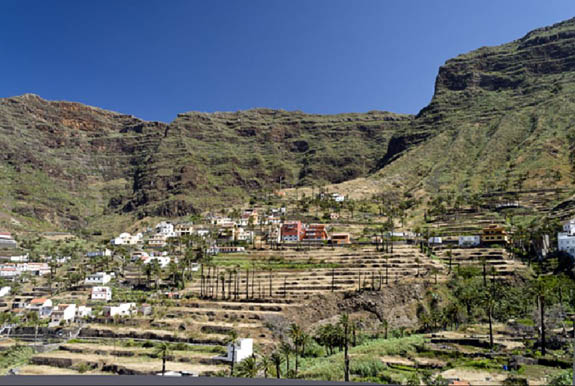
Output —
<point x="12" y="270"/>
<point x="492" y="234"/>
<point x="71" y="312"/>
<point x="228" y="235"/>
<point x="156" y="237"/>
<point x="296" y="231"/>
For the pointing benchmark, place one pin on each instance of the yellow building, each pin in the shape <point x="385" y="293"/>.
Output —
<point x="494" y="234"/>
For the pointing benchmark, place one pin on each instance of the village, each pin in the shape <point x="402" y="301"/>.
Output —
<point x="202" y="297"/>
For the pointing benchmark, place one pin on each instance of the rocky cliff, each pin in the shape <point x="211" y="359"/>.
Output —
<point x="66" y="165"/>
<point x="501" y="118"/>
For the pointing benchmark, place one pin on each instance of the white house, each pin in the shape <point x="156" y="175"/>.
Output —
<point x="158" y="240"/>
<point x="338" y="197"/>
<point x="435" y="240"/>
<point x="219" y="220"/>
<point x="566" y="243"/>
<point x="240" y="350"/>
<point x="163" y="261"/>
<point x="469" y="241"/>
<point x="106" y="252"/>
<point x="83" y="312"/>
<point x="244" y="235"/>
<point x="10" y="270"/>
<point x="127" y="239"/>
<point x="202" y="232"/>
<point x="19" y="258"/>
<point x="124" y="309"/>
<point x="63" y="312"/>
<point x="98" y="278"/>
<point x="569" y="227"/>
<point x="5" y="291"/>
<point x="101" y="293"/>
<point x="42" y="306"/>
<point x="165" y="229"/>
<point x="7" y="241"/>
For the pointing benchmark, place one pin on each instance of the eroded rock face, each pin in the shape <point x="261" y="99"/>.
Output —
<point x="67" y="163"/>
<point x="499" y="117"/>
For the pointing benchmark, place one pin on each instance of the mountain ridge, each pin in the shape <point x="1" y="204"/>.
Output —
<point x="500" y="118"/>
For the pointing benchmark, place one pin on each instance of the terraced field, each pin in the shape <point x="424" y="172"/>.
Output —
<point x="496" y="259"/>
<point x="104" y="357"/>
<point x="342" y="269"/>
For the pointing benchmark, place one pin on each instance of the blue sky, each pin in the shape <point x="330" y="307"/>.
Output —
<point x="154" y="59"/>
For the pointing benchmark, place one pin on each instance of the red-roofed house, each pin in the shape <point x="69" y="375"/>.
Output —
<point x="42" y="306"/>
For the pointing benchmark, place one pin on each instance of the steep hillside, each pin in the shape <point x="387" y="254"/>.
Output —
<point x="68" y="166"/>
<point x="208" y="159"/>
<point x="61" y="162"/>
<point x="504" y="118"/>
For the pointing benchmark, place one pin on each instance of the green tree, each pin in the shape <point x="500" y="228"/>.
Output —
<point x="248" y="368"/>
<point x="277" y="359"/>
<point x="232" y="341"/>
<point x="163" y="351"/>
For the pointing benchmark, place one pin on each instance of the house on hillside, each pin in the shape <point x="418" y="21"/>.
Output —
<point x="83" y="312"/>
<point x="4" y="291"/>
<point x="101" y="293"/>
<point x="338" y="197"/>
<point x="101" y="253"/>
<point x="163" y="260"/>
<point x="469" y="241"/>
<point x="184" y="229"/>
<point x="244" y="235"/>
<point x="569" y="227"/>
<point x="292" y="231"/>
<point x="250" y="217"/>
<point x="238" y="351"/>
<point x="63" y="312"/>
<point x="435" y="240"/>
<point x="7" y="241"/>
<point x="127" y="239"/>
<point x="157" y="241"/>
<point x="231" y="249"/>
<point x="123" y="309"/>
<point x="42" y="306"/>
<point x="315" y="232"/>
<point x="340" y="238"/>
<point x="165" y="229"/>
<point x="202" y="232"/>
<point x="566" y="239"/>
<point x="98" y="278"/>
<point x="227" y="231"/>
<point x="494" y="234"/>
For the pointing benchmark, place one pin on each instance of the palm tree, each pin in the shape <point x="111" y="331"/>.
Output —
<point x="296" y="335"/>
<point x="163" y="350"/>
<point x="345" y="323"/>
<point x="232" y="340"/>
<point x="541" y="289"/>
<point x="277" y="359"/>
<point x="265" y="364"/>
<point x="248" y="368"/>
<point x="286" y="350"/>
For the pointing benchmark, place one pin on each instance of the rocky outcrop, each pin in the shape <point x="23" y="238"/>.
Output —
<point x="68" y="164"/>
